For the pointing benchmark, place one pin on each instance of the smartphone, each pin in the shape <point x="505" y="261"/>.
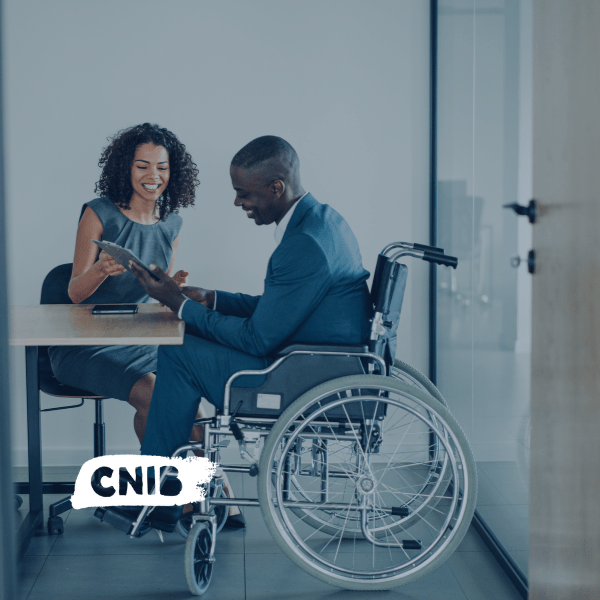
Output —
<point x="115" y="309"/>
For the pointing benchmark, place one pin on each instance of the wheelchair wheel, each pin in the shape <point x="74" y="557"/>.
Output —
<point x="185" y="523"/>
<point x="198" y="563"/>
<point x="360" y="448"/>
<point x="404" y="372"/>
<point x="435" y="483"/>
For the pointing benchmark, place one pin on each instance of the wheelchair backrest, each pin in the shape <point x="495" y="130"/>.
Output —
<point x="387" y="294"/>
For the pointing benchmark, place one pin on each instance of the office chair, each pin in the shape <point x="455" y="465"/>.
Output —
<point x="55" y="291"/>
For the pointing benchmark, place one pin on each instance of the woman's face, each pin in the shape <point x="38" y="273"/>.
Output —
<point x="150" y="172"/>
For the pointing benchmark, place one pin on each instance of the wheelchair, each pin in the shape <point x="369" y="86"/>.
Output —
<point x="364" y="478"/>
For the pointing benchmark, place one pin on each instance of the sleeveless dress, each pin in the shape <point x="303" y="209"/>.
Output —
<point x="112" y="371"/>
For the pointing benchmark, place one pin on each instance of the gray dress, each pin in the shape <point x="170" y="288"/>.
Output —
<point x="112" y="371"/>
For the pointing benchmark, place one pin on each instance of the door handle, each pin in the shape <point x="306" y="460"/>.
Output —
<point x="516" y="260"/>
<point x="529" y="211"/>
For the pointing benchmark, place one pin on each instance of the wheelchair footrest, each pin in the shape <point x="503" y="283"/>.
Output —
<point x="115" y="516"/>
<point x="400" y="511"/>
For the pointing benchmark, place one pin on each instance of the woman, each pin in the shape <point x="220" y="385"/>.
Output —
<point x="147" y="176"/>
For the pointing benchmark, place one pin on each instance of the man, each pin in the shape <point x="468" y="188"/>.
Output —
<point x="315" y="292"/>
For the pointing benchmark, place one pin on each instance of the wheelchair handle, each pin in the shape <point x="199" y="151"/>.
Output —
<point x="441" y="259"/>
<point x="409" y="246"/>
<point x="428" y="248"/>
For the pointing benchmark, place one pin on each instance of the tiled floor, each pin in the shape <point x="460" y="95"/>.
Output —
<point x="93" y="561"/>
<point x="503" y="502"/>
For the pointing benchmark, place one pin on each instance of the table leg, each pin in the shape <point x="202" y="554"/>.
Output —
<point x="34" y="431"/>
<point x="33" y="520"/>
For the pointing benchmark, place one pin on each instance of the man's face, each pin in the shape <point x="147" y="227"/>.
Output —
<point x="260" y="200"/>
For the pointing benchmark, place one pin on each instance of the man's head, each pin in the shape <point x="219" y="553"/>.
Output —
<point x="266" y="177"/>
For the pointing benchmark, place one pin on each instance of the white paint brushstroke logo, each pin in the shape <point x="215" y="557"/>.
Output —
<point x="192" y="472"/>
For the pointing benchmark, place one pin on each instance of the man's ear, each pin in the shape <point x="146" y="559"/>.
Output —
<point x="278" y="187"/>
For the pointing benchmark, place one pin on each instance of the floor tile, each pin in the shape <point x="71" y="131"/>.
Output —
<point x="152" y="577"/>
<point x="507" y="526"/>
<point x="282" y="574"/>
<point x="487" y="492"/>
<point x="27" y="573"/>
<point x="94" y="561"/>
<point x="258" y="539"/>
<point x="85" y="534"/>
<point x="472" y="542"/>
<point x="42" y="543"/>
<point x="481" y="578"/>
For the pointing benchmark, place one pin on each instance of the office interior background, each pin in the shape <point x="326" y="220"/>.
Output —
<point x="349" y="84"/>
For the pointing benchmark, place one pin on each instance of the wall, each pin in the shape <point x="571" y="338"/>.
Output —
<point x="345" y="82"/>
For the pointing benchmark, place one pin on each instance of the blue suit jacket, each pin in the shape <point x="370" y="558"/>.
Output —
<point x="315" y="291"/>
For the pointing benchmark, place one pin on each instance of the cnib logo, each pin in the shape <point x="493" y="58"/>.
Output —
<point x="126" y="479"/>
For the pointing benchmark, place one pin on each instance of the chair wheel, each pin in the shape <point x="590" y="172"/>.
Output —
<point x="18" y="502"/>
<point x="185" y="523"/>
<point x="198" y="560"/>
<point x="56" y="525"/>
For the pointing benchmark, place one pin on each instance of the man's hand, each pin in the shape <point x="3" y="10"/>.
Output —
<point x="166" y="290"/>
<point x="206" y="297"/>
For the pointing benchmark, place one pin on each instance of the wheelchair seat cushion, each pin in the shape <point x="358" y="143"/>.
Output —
<point x="350" y="349"/>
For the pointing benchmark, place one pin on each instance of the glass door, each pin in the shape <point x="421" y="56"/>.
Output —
<point x="483" y="149"/>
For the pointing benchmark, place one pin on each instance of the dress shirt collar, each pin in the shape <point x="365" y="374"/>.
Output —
<point x="280" y="229"/>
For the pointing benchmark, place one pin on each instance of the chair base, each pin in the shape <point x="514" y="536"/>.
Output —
<point x="55" y="523"/>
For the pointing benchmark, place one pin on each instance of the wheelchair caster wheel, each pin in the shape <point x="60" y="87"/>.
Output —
<point x="185" y="523"/>
<point x="56" y="525"/>
<point x="198" y="560"/>
<point x="18" y="502"/>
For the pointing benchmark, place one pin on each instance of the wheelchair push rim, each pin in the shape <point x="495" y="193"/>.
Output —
<point x="434" y="484"/>
<point x="418" y="542"/>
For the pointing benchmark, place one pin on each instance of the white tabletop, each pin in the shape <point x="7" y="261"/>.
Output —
<point x="74" y="325"/>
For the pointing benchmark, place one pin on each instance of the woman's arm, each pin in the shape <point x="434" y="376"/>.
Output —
<point x="89" y="269"/>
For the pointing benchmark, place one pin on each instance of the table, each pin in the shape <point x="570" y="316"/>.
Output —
<point x="74" y="325"/>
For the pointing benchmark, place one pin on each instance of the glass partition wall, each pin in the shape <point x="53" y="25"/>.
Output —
<point x="483" y="152"/>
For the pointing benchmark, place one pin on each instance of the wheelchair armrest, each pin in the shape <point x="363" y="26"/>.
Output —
<point x="348" y="349"/>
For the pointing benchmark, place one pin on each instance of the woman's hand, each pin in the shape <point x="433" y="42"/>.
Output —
<point x="108" y="266"/>
<point x="181" y="278"/>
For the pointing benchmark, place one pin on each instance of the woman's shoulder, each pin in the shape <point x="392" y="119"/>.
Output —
<point x="104" y="208"/>
<point x="100" y="206"/>
<point x="103" y="204"/>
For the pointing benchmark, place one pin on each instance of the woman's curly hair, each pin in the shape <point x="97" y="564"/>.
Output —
<point x="117" y="158"/>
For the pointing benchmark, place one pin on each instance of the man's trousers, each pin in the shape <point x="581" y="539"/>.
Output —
<point x="185" y="373"/>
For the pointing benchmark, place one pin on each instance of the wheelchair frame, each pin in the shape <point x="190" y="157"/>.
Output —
<point x="427" y="489"/>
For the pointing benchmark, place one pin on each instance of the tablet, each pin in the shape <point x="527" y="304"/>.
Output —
<point x="123" y="256"/>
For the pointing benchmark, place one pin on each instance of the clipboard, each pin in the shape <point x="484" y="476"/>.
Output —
<point x="123" y="256"/>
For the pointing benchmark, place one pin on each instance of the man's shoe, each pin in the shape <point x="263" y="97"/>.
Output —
<point x="235" y="522"/>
